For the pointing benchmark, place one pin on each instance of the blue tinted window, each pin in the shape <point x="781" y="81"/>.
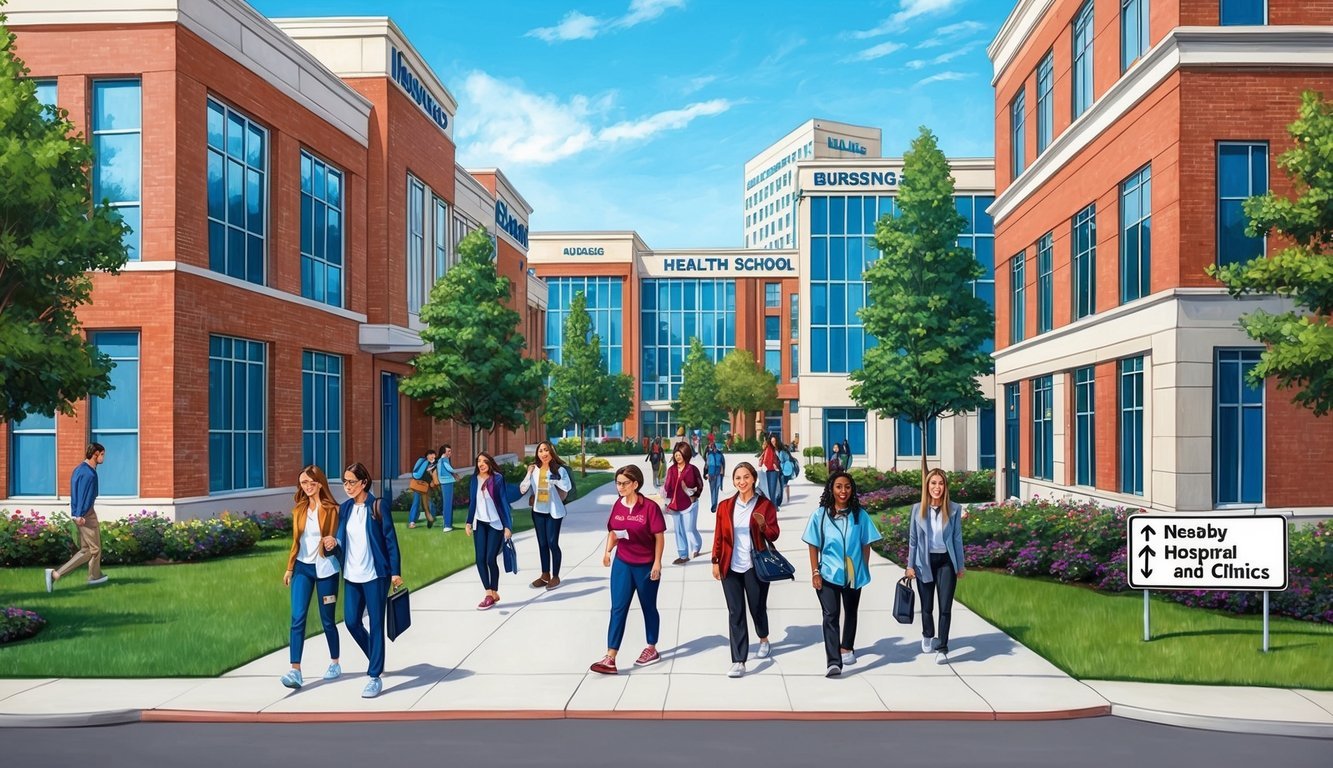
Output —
<point x="845" y="424"/>
<point x="909" y="437"/>
<point x="32" y="456"/>
<point x="986" y="441"/>
<point x="117" y="140"/>
<point x="772" y="295"/>
<point x="1045" y="103"/>
<point x="684" y="309"/>
<point x="1043" y="429"/>
<point x="1044" y="283"/>
<point x="1081" y="78"/>
<point x="1133" y="31"/>
<point x="322" y="410"/>
<point x="1085" y="427"/>
<point x="1136" y="235"/>
<point x="1242" y="12"/>
<point x="113" y="420"/>
<point x="1131" y="425"/>
<point x="1083" y="260"/>
<point x="1017" y="297"/>
<point x="321" y="231"/>
<point x="237" y="194"/>
<point x="1242" y="171"/>
<point x="237" y="413"/>
<point x="46" y="91"/>
<point x="1238" y="435"/>
<point x="1017" y="123"/>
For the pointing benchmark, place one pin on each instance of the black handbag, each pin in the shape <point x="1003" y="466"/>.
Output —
<point x="770" y="565"/>
<point x="400" y="613"/>
<point x="510" y="556"/>
<point x="904" y="601"/>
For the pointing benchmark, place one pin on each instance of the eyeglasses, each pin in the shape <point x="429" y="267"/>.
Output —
<point x="352" y="481"/>
<point x="623" y="483"/>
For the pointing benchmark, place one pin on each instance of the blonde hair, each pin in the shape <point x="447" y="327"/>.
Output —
<point x="925" y="493"/>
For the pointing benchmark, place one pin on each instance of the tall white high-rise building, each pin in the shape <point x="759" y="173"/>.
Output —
<point x="769" y="198"/>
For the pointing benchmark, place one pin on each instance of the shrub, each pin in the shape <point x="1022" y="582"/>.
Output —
<point x="31" y="538"/>
<point x="272" y="525"/>
<point x="817" y="473"/>
<point x="593" y="462"/>
<point x="17" y="624"/>
<point x="201" y="539"/>
<point x="887" y="498"/>
<point x="745" y="445"/>
<point x="813" y="452"/>
<point x="606" y="446"/>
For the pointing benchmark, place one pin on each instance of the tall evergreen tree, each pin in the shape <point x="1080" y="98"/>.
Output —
<point x="1300" y="342"/>
<point x="744" y="386"/>
<point x="475" y="372"/>
<point x="52" y="237"/>
<point x="921" y="305"/>
<point x="583" y="392"/>
<point x="697" y="404"/>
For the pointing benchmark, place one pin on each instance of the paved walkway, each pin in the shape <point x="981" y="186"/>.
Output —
<point x="529" y="657"/>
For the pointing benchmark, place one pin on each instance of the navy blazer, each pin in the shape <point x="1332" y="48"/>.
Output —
<point x="918" y="541"/>
<point x="383" y="539"/>
<point x="499" y="494"/>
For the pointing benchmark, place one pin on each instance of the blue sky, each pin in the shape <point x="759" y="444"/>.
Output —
<point x="641" y="114"/>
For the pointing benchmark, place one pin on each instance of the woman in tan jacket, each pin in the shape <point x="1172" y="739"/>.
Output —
<point x="311" y="570"/>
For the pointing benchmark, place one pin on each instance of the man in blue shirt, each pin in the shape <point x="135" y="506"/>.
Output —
<point x="83" y="495"/>
<point x="445" y="469"/>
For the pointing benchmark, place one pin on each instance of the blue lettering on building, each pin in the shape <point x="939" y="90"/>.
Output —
<point x="510" y="223"/>
<point x="843" y="145"/>
<point x="743" y="264"/>
<point x="416" y="89"/>
<point x="857" y="178"/>
<point x="584" y="251"/>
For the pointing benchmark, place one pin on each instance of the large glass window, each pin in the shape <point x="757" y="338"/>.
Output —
<point x="773" y="345"/>
<point x="986" y="429"/>
<point x="237" y="413"/>
<point x="1081" y="77"/>
<point x="1017" y="296"/>
<point x="909" y="437"/>
<point x="795" y="362"/>
<point x="1017" y="124"/>
<point x="1043" y="429"/>
<point x="842" y="246"/>
<point x="32" y="456"/>
<point x="113" y="420"/>
<point x="416" y="245"/>
<point x="321" y="231"/>
<point x="46" y="91"/>
<point x="321" y="410"/>
<point x="1083" y="261"/>
<point x="845" y="424"/>
<point x="1242" y="171"/>
<point x="1044" y="283"/>
<point x="1238" y="429"/>
<point x="117" y="149"/>
<point x="1085" y="426"/>
<point x="237" y="193"/>
<point x="1133" y="31"/>
<point x="979" y="235"/>
<point x="1136" y="235"/>
<point x="1131" y="426"/>
<point x="795" y="321"/>
<point x="439" y="235"/>
<point x="604" y="300"/>
<point x="1045" y="102"/>
<point x="772" y="295"/>
<point x="675" y="311"/>
<point x="659" y="424"/>
<point x="1242" y="12"/>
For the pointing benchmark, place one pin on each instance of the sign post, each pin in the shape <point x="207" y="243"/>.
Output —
<point x="1236" y="553"/>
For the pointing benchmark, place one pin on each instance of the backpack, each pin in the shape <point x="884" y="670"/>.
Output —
<point x="789" y="468"/>
<point x="573" y="492"/>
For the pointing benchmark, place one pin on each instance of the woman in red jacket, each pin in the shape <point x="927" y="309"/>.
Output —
<point x="746" y="523"/>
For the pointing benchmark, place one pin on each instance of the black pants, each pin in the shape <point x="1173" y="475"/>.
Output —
<point x="831" y="598"/>
<point x="941" y="568"/>
<point x="548" y="541"/>
<point x="742" y="589"/>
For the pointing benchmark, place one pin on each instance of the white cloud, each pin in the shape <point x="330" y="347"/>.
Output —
<point x="580" y="26"/>
<point x="509" y="125"/>
<point x="943" y="58"/>
<point x="695" y="84"/>
<point x="950" y="32"/>
<point x="941" y="77"/>
<point x="907" y="10"/>
<point x="877" y="52"/>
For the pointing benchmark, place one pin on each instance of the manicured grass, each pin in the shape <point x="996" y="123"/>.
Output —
<point x="197" y="619"/>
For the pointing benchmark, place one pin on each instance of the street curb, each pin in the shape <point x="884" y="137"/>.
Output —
<point x="1227" y="724"/>
<point x="72" y="720"/>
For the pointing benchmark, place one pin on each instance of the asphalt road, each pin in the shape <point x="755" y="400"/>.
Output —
<point x="1105" y="741"/>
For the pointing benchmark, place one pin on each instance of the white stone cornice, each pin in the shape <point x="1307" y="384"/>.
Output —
<point x="1015" y="31"/>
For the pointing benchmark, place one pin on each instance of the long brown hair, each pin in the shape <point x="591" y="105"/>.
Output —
<point x="925" y="493"/>
<point x="491" y="467"/>
<point x="556" y="462"/>
<point x="325" y="494"/>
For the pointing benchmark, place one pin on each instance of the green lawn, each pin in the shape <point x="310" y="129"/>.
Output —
<point x="197" y="619"/>
<point x="1099" y="636"/>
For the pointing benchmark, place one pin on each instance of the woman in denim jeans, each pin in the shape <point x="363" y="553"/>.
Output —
<point x="681" y="490"/>
<point x="311" y="570"/>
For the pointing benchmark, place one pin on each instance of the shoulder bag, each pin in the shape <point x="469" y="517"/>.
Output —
<point x="400" y="613"/>
<point x="904" y="601"/>
<point x="770" y="565"/>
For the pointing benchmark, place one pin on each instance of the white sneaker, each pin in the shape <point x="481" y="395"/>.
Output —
<point x="848" y="658"/>
<point x="50" y="579"/>
<point x="928" y="644"/>
<point x="764" y="649"/>
<point x="941" y="657"/>
<point x="99" y="580"/>
<point x="737" y="669"/>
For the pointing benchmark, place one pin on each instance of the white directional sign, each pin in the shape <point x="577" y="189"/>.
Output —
<point x="1185" y="552"/>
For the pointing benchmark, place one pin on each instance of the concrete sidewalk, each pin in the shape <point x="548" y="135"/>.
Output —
<point x="529" y="657"/>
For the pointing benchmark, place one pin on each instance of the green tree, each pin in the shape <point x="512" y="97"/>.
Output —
<point x="1300" y="342"/>
<point x="582" y="391"/>
<point x="744" y="386"/>
<point x="52" y="237"/>
<point x="475" y="372"/>
<point x="697" y="404"/>
<point x="921" y="307"/>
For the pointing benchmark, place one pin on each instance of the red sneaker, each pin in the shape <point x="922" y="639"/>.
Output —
<point x="607" y="666"/>
<point x="486" y="604"/>
<point x="649" y="656"/>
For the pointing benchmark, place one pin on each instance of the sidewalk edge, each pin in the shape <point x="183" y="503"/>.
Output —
<point x="73" y="719"/>
<point x="1227" y="724"/>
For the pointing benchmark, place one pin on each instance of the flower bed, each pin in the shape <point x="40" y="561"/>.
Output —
<point x="17" y="624"/>
<point x="31" y="538"/>
<point x="607" y="446"/>
<point x="1084" y="543"/>
<point x="964" y="487"/>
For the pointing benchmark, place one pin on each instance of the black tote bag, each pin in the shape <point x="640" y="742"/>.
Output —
<point x="400" y="613"/>
<point x="904" y="601"/>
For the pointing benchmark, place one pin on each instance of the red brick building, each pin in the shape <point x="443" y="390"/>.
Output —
<point x="1127" y="135"/>
<point x="294" y="194"/>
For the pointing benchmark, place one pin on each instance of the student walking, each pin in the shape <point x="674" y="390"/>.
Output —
<point x="548" y="480"/>
<point x="83" y="500"/>
<point x="656" y="459"/>
<point x="423" y="479"/>
<point x="368" y="550"/>
<point x="839" y="534"/>
<point x="846" y="454"/>
<point x="488" y="509"/>
<point x="715" y="471"/>
<point x="746" y="523"/>
<point x="835" y="459"/>
<point x="787" y="466"/>
<point x="770" y="463"/>
<point x="446" y="476"/>
<point x="311" y="571"/>
<point x="636" y="531"/>
<point x="681" y="490"/>
<point x="935" y="558"/>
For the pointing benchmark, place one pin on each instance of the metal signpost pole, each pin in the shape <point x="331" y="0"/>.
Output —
<point x="1265" y="621"/>
<point x="1147" y="630"/>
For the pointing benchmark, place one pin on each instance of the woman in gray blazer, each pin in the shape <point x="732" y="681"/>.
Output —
<point x="935" y="558"/>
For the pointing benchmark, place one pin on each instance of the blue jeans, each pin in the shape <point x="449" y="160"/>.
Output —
<point x="305" y="583"/>
<point x="715" y="485"/>
<point x="626" y="579"/>
<point x="486" y="542"/>
<point x="687" y="531"/>
<point x="447" y="505"/>
<point x="358" y="600"/>
<point x="773" y="485"/>
<point x="548" y="541"/>
<point x="419" y="500"/>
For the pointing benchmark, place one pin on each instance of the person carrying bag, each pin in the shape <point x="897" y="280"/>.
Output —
<point x="682" y="488"/>
<point x="747" y="524"/>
